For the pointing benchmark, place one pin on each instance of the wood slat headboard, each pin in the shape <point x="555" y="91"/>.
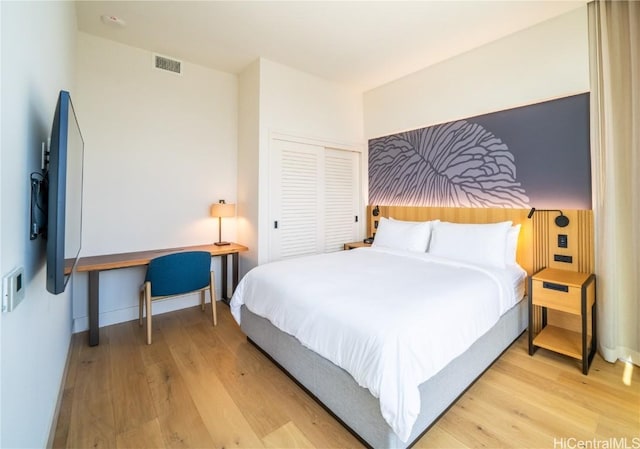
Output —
<point x="537" y="244"/>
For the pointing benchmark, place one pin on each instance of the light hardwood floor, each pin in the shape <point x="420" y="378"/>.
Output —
<point x="198" y="386"/>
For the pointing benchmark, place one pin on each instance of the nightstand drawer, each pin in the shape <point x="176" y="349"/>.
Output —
<point x="557" y="296"/>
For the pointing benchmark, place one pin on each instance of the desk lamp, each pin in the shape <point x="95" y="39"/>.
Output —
<point x="222" y="209"/>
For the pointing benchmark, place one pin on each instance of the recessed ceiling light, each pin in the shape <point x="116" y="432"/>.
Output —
<point x="113" y="21"/>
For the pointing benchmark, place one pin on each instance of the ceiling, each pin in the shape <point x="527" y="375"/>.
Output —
<point x="362" y="44"/>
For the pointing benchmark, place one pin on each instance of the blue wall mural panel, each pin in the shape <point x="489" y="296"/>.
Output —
<point x="536" y="155"/>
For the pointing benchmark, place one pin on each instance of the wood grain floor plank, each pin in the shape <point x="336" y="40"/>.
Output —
<point x="287" y="437"/>
<point x="468" y="428"/>
<point x="523" y="424"/>
<point x="229" y="327"/>
<point x="240" y="373"/>
<point x="600" y="398"/>
<point x="145" y="436"/>
<point x="614" y="427"/>
<point x="536" y="383"/>
<point x="279" y="391"/>
<point x="132" y="402"/>
<point x="64" y="414"/>
<point x="438" y="438"/>
<point x="570" y="392"/>
<point x="92" y="416"/>
<point x="64" y="419"/>
<point x="159" y="350"/>
<point x="282" y="393"/>
<point x="209" y="387"/>
<point x="224" y="420"/>
<point x="311" y="418"/>
<point x="548" y="405"/>
<point x="552" y="365"/>
<point x="181" y="423"/>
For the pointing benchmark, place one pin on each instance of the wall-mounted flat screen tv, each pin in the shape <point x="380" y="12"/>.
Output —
<point x="64" y="205"/>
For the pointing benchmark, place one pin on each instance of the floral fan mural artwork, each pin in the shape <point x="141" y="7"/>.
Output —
<point x="456" y="164"/>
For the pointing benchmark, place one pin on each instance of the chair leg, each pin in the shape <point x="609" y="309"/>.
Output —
<point x="202" y="300"/>
<point x="147" y="297"/>
<point x="140" y="306"/>
<point x="212" y="291"/>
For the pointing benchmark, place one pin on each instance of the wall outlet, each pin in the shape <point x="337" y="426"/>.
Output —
<point x="563" y="241"/>
<point x="12" y="289"/>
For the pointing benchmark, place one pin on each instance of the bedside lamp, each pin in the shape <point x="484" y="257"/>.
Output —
<point x="222" y="209"/>
<point x="561" y="220"/>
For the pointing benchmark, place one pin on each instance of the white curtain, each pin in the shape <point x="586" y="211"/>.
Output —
<point x="614" y="35"/>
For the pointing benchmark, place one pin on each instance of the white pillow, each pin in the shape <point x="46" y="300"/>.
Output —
<point x="404" y="235"/>
<point x="483" y="244"/>
<point x="512" y="245"/>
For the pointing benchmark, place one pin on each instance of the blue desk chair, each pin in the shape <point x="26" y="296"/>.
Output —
<point x="174" y="275"/>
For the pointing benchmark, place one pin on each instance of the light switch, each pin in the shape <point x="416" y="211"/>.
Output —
<point x="13" y="289"/>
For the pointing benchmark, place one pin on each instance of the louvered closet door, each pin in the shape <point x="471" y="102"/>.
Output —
<point x="341" y="198"/>
<point x="296" y="198"/>
<point x="314" y="199"/>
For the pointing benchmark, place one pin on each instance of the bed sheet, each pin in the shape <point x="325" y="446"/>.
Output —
<point x="337" y="305"/>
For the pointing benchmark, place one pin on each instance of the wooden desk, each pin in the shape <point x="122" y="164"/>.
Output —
<point x="95" y="264"/>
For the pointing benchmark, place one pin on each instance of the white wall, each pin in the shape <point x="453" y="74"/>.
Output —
<point x="293" y="103"/>
<point x="297" y="103"/>
<point x="38" y="54"/>
<point x="160" y="148"/>
<point x="248" y="163"/>
<point x="547" y="61"/>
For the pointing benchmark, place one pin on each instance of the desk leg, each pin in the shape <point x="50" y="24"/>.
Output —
<point x="225" y="275"/>
<point x="94" y="295"/>
<point x="234" y="273"/>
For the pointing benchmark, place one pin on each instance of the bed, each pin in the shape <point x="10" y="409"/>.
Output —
<point x="388" y="337"/>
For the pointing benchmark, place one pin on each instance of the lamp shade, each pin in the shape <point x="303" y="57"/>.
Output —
<point x="223" y="210"/>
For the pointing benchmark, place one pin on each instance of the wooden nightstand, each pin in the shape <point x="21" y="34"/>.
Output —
<point x="571" y="293"/>
<point x="353" y="245"/>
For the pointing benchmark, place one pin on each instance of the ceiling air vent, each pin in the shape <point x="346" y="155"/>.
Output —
<point x="168" y="64"/>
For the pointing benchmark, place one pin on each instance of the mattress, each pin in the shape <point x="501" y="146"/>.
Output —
<point x="353" y="405"/>
<point x="330" y="305"/>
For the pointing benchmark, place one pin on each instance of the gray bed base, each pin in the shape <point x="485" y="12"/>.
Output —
<point x="353" y="405"/>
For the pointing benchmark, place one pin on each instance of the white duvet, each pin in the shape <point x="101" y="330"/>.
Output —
<point x="392" y="319"/>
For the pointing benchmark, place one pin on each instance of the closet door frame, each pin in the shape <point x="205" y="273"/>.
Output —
<point x="358" y="148"/>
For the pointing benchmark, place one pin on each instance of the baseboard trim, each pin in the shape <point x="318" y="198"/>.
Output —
<point x="81" y="324"/>
<point x="56" y="412"/>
